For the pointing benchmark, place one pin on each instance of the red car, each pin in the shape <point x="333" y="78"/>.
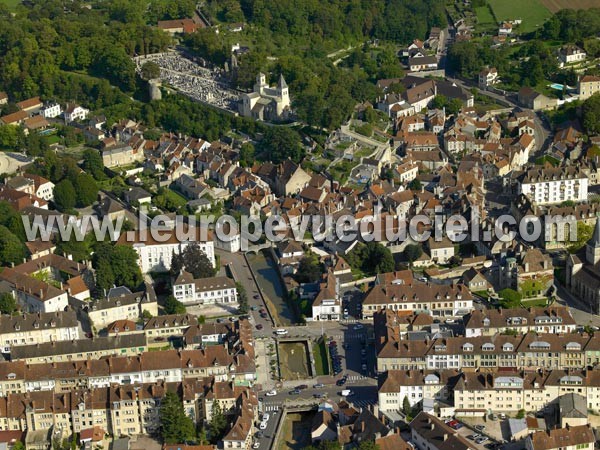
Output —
<point x="259" y="327"/>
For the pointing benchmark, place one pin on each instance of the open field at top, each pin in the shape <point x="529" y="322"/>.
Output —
<point x="12" y="4"/>
<point x="556" y="5"/>
<point x="532" y="12"/>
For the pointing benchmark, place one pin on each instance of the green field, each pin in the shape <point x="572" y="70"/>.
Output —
<point x="12" y="4"/>
<point x="532" y="12"/>
<point x="321" y="358"/>
<point x="485" y="19"/>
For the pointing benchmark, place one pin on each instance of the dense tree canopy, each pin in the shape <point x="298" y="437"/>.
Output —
<point x="372" y="258"/>
<point x="175" y="426"/>
<point x="192" y="260"/>
<point x="116" y="265"/>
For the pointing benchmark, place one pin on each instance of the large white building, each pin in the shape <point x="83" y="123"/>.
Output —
<point x="264" y="102"/>
<point x="30" y="329"/>
<point x="554" y="185"/>
<point x="155" y="255"/>
<point x="189" y="290"/>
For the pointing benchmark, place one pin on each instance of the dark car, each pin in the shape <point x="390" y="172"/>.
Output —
<point x="258" y="434"/>
<point x="319" y="395"/>
<point x="302" y="386"/>
<point x="341" y="381"/>
<point x="259" y="327"/>
<point x="256" y="296"/>
<point x="295" y="392"/>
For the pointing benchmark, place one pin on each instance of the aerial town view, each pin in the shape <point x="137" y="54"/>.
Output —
<point x="299" y="224"/>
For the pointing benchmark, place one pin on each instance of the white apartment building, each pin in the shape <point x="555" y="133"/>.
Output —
<point x="30" y="329"/>
<point x="75" y="112"/>
<point x="204" y="291"/>
<point x="51" y="110"/>
<point x="554" y="185"/>
<point x="155" y="255"/>
<point x="415" y="385"/>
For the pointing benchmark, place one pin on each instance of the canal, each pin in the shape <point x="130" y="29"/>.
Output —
<point x="267" y="277"/>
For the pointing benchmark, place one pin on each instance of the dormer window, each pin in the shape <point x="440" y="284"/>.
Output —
<point x="488" y="347"/>
<point x="467" y="347"/>
<point x="508" y="347"/>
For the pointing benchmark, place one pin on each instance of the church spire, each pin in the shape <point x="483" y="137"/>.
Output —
<point x="595" y="240"/>
<point x="281" y="84"/>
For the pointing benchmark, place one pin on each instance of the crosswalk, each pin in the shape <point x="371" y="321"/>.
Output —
<point x="271" y="408"/>
<point x="352" y="378"/>
<point x="354" y="336"/>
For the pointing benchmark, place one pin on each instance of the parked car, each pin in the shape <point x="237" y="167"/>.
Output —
<point x="481" y="440"/>
<point x="341" y="381"/>
<point x="259" y="326"/>
<point x="480" y="427"/>
<point x="263" y="425"/>
<point x="256" y="445"/>
<point x="319" y="395"/>
<point x="271" y="393"/>
<point x="319" y="386"/>
<point x="266" y="417"/>
<point x="256" y="296"/>
<point x="302" y="386"/>
<point x="295" y="392"/>
<point x="258" y="434"/>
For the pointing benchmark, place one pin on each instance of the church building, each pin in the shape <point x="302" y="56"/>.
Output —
<point x="266" y="103"/>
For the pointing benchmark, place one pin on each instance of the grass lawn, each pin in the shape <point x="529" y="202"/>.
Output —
<point x="321" y="358"/>
<point x="532" y="12"/>
<point x="485" y="19"/>
<point x="12" y="4"/>
<point x="175" y="197"/>
<point x="537" y="302"/>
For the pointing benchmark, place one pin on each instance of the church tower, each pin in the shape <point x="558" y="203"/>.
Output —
<point x="261" y="83"/>
<point x="283" y="92"/>
<point x="592" y="248"/>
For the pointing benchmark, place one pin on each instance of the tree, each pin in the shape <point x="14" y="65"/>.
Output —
<point x="415" y="185"/>
<point x="247" y="154"/>
<point x="116" y="265"/>
<point x="218" y="422"/>
<point x="280" y="143"/>
<point x="584" y="234"/>
<point x="87" y="190"/>
<point x="413" y="252"/>
<point x="406" y="408"/>
<point x="372" y="258"/>
<point x="176" y="264"/>
<point x="18" y="446"/>
<point x="174" y="306"/>
<point x="12" y="249"/>
<point x="176" y="426"/>
<point x="242" y="298"/>
<point x="93" y="164"/>
<point x="510" y="298"/>
<point x="150" y="70"/>
<point x="591" y="114"/>
<point x="8" y="304"/>
<point x="194" y="261"/>
<point x="309" y="269"/>
<point x="65" y="195"/>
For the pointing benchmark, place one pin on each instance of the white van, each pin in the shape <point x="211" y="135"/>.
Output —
<point x="281" y="332"/>
<point x="347" y="393"/>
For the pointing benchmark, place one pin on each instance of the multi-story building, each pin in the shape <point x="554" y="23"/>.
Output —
<point x="122" y="304"/>
<point x="415" y="385"/>
<point x="579" y="437"/>
<point x="430" y="433"/>
<point x="31" y="329"/>
<point x="588" y="85"/>
<point x="488" y="322"/>
<point x="554" y="185"/>
<point x="418" y="297"/>
<point x="155" y="255"/>
<point x="266" y="103"/>
<point x="203" y="291"/>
